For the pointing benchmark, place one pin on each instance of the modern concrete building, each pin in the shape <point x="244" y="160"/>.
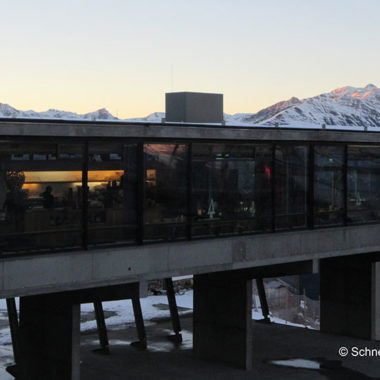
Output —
<point x="90" y="210"/>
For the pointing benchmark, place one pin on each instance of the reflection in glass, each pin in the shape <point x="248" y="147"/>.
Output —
<point x="41" y="200"/>
<point x="231" y="188"/>
<point x="363" y="183"/>
<point x="112" y="187"/>
<point x="291" y="186"/>
<point x="41" y="197"/>
<point x="328" y="185"/>
<point x="165" y="203"/>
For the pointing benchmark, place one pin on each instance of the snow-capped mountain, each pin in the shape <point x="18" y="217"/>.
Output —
<point x="345" y="106"/>
<point x="263" y="115"/>
<point x="155" y="117"/>
<point x="10" y="112"/>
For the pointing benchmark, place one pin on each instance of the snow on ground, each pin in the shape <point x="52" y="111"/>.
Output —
<point x="153" y="307"/>
<point x="298" y="363"/>
<point x="257" y="315"/>
<point x="124" y="309"/>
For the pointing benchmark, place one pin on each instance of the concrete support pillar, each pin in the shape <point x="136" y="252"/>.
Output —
<point x="177" y="337"/>
<point x="102" y="328"/>
<point x="350" y="296"/>
<point x="263" y="299"/>
<point x="49" y="338"/>
<point x="14" y="327"/>
<point x="376" y="301"/>
<point x="139" y="320"/>
<point x="223" y="318"/>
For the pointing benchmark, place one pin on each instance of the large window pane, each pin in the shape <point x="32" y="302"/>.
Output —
<point x="165" y="204"/>
<point x="363" y="184"/>
<point x="231" y="188"/>
<point x="112" y="192"/>
<point x="291" y="186"/>
<point x="41" y="196"/>
<point x="328" y="185"/>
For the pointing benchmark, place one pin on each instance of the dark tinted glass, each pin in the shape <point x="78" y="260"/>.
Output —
<point x="328" y="185"/>
<point x="166" y="184"/>
<point x="41" y="196"/>
<point x="291" y="186"/>
<point x="231" y="188"/>
<point x="363" y="184"/>
<point x="112" y="192"/>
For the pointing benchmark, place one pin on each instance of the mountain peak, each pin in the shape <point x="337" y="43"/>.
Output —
<point x="352" y="90"/>
<point x="102" y="110"/>
<point x="345" y="90"/>
<point x="101" y="114"/>
<point x="344" y="106"/>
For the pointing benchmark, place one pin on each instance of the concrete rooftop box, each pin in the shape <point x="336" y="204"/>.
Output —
<point x="194" y="107"/>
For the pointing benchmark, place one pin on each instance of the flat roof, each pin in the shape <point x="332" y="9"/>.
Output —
<point x="183" y="131"/>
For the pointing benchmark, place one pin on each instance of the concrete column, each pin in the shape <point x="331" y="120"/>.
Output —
<point x="102" y="328"/>
<point x="177" y="337"/>
<point x="222" y="321"/>
<point x="49" y="337"/>
<point x="350" y="299"/>
<point x="376" y="301"/>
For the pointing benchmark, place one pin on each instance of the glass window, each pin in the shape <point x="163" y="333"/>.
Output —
<point x="363" y="184"/>
<point x="112" y="192"/>
<point x="166" y="186"/>
<point x="41" y="197"/>
<point x="291" y="186"/>
<point x="328" y="185"/>
<point x="231" y="188"/>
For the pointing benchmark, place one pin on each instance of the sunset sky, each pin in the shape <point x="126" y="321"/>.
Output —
<point x="81" y="55"/>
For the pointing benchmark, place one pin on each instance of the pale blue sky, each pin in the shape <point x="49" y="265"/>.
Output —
<point x="82" y="55"/>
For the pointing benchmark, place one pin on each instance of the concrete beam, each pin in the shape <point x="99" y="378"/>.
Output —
<point x="60" y="128"/>
<point x="39" y="274"/>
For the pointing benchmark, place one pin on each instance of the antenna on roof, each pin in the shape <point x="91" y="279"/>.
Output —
<point x="171" y="77"/>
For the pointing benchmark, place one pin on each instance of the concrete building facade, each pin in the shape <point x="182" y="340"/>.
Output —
<point x="90" y="210"/>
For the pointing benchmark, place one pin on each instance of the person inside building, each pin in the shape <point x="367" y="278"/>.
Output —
<point x="48" y="198"/>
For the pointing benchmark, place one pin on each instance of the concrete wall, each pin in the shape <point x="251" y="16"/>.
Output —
<point x="84" y="269"/>
<point x="167" y="131"/>
<point x="194" y="107"/>
<point x="349" y="296"/>
<point x="346" y="296"/>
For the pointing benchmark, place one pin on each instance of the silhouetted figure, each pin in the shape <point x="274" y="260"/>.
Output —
<point x="14" y="206"/>
<point x="70" y="198"/>
<point x="48" y="198"/>
<point x="10" y="203"/>
<point x="108" y="197"/>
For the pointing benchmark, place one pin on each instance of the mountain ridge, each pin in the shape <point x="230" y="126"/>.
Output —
<point x="344" y="106"/>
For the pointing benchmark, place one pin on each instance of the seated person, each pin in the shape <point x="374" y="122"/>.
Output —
<point x="48" y="198"/>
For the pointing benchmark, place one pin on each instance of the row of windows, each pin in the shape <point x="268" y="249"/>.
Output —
<point x="57" y="196"/>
